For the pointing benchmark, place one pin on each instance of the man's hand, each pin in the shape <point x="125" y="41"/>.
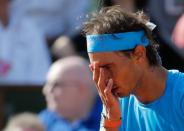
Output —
<point x="104" y="84"/>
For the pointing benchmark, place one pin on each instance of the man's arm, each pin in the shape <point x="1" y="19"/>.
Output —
<point x="113" y="126"/>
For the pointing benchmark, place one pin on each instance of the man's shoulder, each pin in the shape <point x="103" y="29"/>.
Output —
<point x="177" y="90"/>
<point x="52" y="121"/>
<point x="48" y="116"/>
<point x="176" y="79"/>
<point x="175" y="85"/>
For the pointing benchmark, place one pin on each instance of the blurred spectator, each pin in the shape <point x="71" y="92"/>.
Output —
<point x="72" y="100"/>
<point x="54" y="17"/>
<point x="62" y="47"/>
<point x="178" y="33"/>
<point x="165" y="15"/>
<point x="24" y="57"/>
<point x="24" y="122"/>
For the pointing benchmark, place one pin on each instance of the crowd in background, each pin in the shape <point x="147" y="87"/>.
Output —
<point x="41" y="41"/>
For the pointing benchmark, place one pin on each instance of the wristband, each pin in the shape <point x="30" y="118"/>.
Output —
<point x="110" y="123"/>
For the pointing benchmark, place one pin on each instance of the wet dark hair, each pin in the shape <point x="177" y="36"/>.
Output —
<point x="114" y="19"/>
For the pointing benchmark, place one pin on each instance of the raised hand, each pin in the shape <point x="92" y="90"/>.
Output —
<point x="104" y="84"/>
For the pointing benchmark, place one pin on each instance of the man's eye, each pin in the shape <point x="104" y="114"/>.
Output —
<point x="106" y="66"/>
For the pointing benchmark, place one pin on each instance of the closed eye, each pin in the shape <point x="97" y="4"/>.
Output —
<point x="107" y="66"/>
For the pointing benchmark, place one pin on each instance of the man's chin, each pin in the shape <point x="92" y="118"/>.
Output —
<point x="121" y="95"/>
<point x="117" y="92"/>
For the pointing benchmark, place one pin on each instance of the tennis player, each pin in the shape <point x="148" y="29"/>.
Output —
<point x="138" y="94"/>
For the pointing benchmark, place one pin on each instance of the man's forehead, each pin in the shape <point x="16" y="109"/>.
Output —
<point x="55" y="74"/>
<point x="101" y="58"/>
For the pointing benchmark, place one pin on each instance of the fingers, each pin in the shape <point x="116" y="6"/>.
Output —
<point x="108" y="88"/>
<point x="108" y="91"/>
<point x="96" y="78"/>
<point x="104" y="84"/>
<point x="101" y="85"/>
<point x="105" y="89"/>
<point x="91" y="67"/>
<point x="102" y="80"/>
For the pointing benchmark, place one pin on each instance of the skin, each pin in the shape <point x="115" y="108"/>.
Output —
<point x="61" y="94"/>
<point x="4" y="12"/>
<point x="117" y="75"/>
<point x="22" y="128"/>
<point x="63" y="90"/>
<point x="178" y="33"/>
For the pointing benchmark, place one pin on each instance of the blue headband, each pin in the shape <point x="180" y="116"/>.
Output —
<point x="116" y="42"/>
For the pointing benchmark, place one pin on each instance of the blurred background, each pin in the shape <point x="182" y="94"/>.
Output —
<point x="36" y="33"/>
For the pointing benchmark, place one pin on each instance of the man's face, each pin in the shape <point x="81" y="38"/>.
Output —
<point x="61" y="91"/>
<point x="120" y="68"/>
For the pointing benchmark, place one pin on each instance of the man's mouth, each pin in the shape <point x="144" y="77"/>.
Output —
<point x="114" y="87"/>
<point x="114" y="90"/>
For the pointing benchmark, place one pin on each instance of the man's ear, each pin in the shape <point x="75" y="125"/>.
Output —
<point x="139" y="53"/>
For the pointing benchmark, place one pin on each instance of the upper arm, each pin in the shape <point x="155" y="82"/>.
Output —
<point x="179" y="97"/>
<point x="182" y="105"/>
